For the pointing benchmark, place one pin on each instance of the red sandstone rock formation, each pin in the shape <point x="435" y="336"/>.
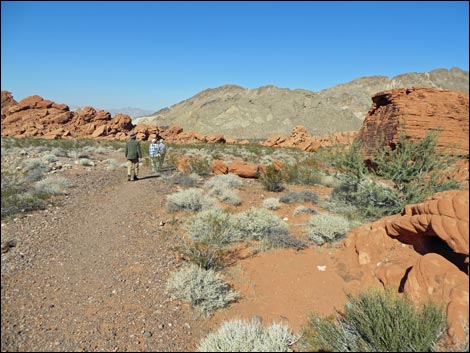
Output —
<point x="36" y="117"/>
<point x="415" y="111"/>
<point x="423" y="252"/>
<point x="300" y="139"/>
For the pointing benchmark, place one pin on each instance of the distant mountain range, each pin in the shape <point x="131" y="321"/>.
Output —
<point x="238" y="112"/>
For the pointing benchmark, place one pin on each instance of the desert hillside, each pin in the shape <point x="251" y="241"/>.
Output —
<point x="240" y="113"/>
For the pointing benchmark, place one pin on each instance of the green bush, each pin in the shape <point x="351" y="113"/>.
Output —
<point x="198" y="165"/>
<point x="373" y="199"/>
<point x="272" y="179"/>
<point x="242" y="336"/>
<point x="415" y="168"/>
<point x="304" y="172"/>
<point x="377" y="321"/>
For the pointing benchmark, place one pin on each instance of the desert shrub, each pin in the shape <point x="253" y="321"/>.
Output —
<point x="223" y="181"/>
<point x="34" y="169"/>
<point x="191" y="199"/>
<point x="198" y="165"/>
<point x="50" y="158"/>
<point x="329" y="180"/>
<point x="271" y="203"/>
<point x="349" y="161"/>
<point x="301" y="196"/>
<point x="327" y="227"/>
<point x="221" y="186"/>
<point x="228" y="196"/>
<point x="303" y="172"/>
<point x="98" y="149"/>
<point x="59" y="152"/>
<point x="377" y="321"/>
<point x="205" y="290"/>
<point x="77" y="154"/>
<point x="272" y="179"/>
<point x="52" y="185"/>
<point x="373" y="199"/>
<point x="416" y="169"/>
<point x="243" y="336"/>
<point x="304" y="210"/>
<point x="184" y="179"/>
<point x="265" y="226"/>
<point x="212" y="225"/>
<point x="15" y="200"/>
<point x="256" y="223"/>
<point x="111" y="164"/>
<point x="86" y="162"/>
<point x="280" y="240"/>
<point x="203" y="254"/>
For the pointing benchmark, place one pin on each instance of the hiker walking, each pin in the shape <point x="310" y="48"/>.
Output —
<point x="161" y="153"/>
<point x="153" y="153"/>
<point x="133" y="154"/>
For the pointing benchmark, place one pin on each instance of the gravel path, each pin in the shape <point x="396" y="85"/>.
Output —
<point x="90" y="274"/>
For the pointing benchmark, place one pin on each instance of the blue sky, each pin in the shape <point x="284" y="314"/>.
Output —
<point x="151" y="55"/>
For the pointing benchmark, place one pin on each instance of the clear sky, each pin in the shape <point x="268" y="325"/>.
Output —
<point x="151" y="55"/>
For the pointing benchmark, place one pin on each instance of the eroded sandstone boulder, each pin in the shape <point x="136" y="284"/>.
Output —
<point x="423" y="252"/>
<point x="414" y="112"/>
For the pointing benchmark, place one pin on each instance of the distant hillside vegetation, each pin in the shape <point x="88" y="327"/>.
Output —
<point x="269" y="110"/>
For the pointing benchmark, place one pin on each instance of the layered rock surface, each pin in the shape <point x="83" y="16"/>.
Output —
<point x="415" y="112"/>
<point x="423" y="252"/>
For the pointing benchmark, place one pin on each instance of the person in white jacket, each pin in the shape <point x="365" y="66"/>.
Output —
<point x="153" y="154"/>
<point x="161" y="153"/>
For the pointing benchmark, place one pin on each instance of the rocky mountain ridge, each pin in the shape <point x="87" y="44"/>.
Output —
<point x="240" y="113"/>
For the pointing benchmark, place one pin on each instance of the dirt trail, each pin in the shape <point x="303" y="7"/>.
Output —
<point x="90" y="275"/>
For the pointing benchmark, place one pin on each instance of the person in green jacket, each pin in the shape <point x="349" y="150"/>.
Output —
<point x="133" y="154"/>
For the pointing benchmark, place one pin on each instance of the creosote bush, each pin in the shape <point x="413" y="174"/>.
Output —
<point x="303" y="172"/>
<point x="245" y="336"/>
<point x="377" y="321"/>
<point x="272" y="179"/>
<point x="416" y="169"/>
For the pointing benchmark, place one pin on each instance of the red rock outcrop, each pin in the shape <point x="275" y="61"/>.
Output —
<point x="37" y="117"/>
<point x="300" y="139"/>
<point x="423" y="252"/>
<point x="416" y="111"/>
